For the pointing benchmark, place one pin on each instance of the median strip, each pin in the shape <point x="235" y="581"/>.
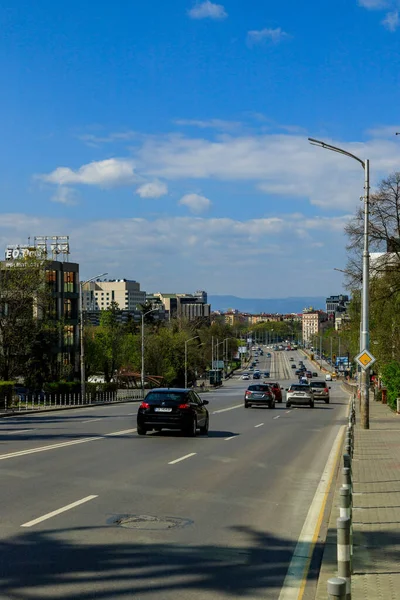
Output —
<point x="54" y="513"/>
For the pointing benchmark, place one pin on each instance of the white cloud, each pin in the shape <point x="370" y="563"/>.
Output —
<point x="176" y="253"/>
<point x="207" y="9"/>
<point x="209" y="124"/>
<point x="196" y="203"/>
<point x="65" y="195"/>
<point x="104" y="173"/>
<point x="95" y="141"/>
<point x="153" y="189"/>
<point x="391" y="21"/>
<point x="271" y="35"/>
<point x="373" y="4"/>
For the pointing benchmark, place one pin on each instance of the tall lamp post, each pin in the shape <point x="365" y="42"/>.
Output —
<point x="82" y="345"/>
<point x="186" y="343"/>
<point x="142" y="351"/>
<point x="364" y="333"/>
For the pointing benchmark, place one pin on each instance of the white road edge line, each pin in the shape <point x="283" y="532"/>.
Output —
<point x="293" y="585"/>
<point x="259" y="425"/>
<point x="221" y="410"/>
<point x="230" y="438"/>
<point x="58" y="511"/>
<point x="90" y="420"/>
<point x="64" y="444"/>
<point x="288" y="411"/>
<point x="173" y="462"/>
<point x="16" y="431"/>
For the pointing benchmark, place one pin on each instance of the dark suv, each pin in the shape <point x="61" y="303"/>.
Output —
<point x="173" y="408"/>
<point x="259" y="394"/>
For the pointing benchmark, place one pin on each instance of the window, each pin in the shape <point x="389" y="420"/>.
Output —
<point x="51" y="278"/>
<point x="69" y="280"/>
<point x="68" y="335"/>
<point x="67" y="309"/>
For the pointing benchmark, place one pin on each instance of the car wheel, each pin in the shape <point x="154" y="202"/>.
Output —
<point x="288" y="405"/>
<point x="326" y="400"/>
<point x="272" y="404"/>
<point x="192" y="429"/>
<point x="246" y="405"/>
<point x="204" y="429"/>
<point x="311" y="404"/>
<point x="141" y="430"/>
<point x="157" y="429"/>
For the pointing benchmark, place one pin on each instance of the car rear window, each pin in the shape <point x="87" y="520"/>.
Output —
<point x="258" y="388"/>
<point x="157" y="397"/>
<point x="299" y="388"/>
<point x="318" y="384"/>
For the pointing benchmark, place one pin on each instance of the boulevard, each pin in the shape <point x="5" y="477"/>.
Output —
<point x="91" y="510"/>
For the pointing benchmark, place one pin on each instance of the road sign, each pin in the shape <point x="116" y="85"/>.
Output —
<point x="365" y="359"/>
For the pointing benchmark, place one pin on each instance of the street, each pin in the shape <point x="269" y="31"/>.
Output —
<point x="91" y="510"/>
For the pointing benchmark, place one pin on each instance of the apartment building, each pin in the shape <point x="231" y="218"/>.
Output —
<point x="185" y="306"/>
<point x="313" y="322"/>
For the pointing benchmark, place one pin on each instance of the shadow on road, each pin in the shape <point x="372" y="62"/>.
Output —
<point x="89" y="563"/>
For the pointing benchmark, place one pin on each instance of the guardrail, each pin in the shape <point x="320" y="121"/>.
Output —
<point x="36" y="402"/>
<point x="339" y="588"/>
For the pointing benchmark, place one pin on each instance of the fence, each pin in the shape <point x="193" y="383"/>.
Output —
<point x="339" y="588"/>
<point x="45" y="401"/>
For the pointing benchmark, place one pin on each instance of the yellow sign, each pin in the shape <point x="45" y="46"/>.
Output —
<point x="365" y="359"/>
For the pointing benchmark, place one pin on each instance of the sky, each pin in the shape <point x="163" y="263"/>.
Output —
<point x="169" y="138"/>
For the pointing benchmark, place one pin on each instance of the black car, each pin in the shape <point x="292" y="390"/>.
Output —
<point x="259" y="394"/>
<point x="173" y="408"/>
<point x="256" y="375"/>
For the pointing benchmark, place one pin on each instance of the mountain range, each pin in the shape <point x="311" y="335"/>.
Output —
<point x="266" y="305"/>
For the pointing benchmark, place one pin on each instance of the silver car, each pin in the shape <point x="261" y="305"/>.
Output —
<point x="299" y="393"/>
<point x="320" y="390"/>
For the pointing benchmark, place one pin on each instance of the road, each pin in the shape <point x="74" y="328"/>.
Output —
<point x="91" y="510"/>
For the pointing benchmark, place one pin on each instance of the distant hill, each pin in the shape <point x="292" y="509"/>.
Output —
<point x="266" y="305"/>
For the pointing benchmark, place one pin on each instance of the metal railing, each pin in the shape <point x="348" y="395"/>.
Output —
<point x="46" y="401"/>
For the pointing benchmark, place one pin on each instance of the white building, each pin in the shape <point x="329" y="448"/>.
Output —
<point x="98" y="295"/>
<point x="313" y="322"/>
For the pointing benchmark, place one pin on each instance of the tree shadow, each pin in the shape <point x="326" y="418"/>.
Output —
<point x="107" y="562"/>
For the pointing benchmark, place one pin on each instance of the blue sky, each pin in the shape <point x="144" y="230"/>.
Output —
<point x="169" y="138"/>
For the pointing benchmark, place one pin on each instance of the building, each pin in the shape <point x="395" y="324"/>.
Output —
<point x="63" y="279"/>
<point x="337" y="304"/>
<point x="185" y="306"/>
<point x="98" y="295"/>
<point x="313" y="322"/>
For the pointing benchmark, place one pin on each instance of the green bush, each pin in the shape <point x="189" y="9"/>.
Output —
<point x="62" y="387"/>
<point x="391" y="380"/>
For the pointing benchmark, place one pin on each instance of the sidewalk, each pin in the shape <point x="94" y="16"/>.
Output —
<point x="376" y="511"/>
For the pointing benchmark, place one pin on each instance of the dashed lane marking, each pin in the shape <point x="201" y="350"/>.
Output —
<point x="173" y="462"/>
<point x="259" y="425"/>
<point x="58" y="511"/>
<point x="221" y="410"/>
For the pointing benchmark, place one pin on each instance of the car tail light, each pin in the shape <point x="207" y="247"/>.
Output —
<point x="184" y="406"/>
<point x="326" y="390"/>
<point x="248" y="393"/>
<point x="144" y="405"/>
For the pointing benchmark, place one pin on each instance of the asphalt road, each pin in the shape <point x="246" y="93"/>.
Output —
<point x="91" y="510"/>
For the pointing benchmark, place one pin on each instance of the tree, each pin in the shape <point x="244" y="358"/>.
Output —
<point x="105" y="347"/>
<point x="28" y="328"/>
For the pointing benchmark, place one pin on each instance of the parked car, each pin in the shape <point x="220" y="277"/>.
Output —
<point x="277" y="390"/>
<point x="173" y="408"/>
<point x="320" y="390"/>
<point x="259" y="394"/>
<point x="25" y="394"/>
<point x="299" y="393"/>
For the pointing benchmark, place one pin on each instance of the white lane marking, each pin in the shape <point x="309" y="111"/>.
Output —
<point x="230" y="438"/>
<point x="16" y="431"/>
<point x="221" y="410"/>
<point x="173" y="462"/>
<point x="63" y="444"/>
<point x="58" y="511"/>
<point x="293" y="586"/>
<point x="90" y="420"/>
<point x="277" y="417"/>
<point x="288" y="411"/>
<point x="259" y="425"/>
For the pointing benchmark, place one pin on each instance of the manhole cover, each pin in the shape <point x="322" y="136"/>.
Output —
<point x="150" y="522"/>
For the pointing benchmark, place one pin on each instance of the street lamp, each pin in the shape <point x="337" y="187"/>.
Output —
<point x="186" y="343"/>
<point x="83" y="375"/>
<point x="142" y="353"/>
<point x="364" y="333"/>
